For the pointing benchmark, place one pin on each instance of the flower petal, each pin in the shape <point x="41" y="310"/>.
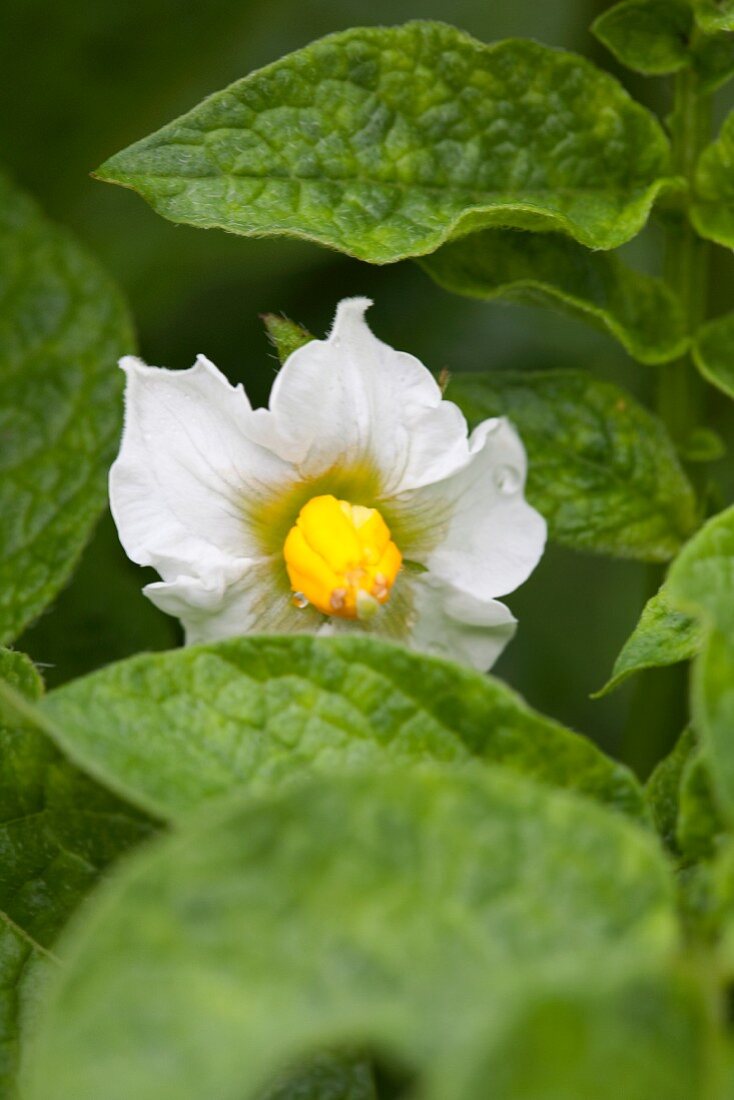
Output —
<point x="487" y="538"/>
<point x="352" y="400"/>
<point x="248" y="600"/>
<point x="457" y="626"/>
<point x="185" y="470"/>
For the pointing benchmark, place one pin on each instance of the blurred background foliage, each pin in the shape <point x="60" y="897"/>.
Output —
<point x="82" y="80"/>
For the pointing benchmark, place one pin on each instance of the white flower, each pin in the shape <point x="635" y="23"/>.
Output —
<point x="356" y="501"/>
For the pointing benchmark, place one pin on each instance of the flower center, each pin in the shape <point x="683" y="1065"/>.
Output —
<point x="340" y="558"/>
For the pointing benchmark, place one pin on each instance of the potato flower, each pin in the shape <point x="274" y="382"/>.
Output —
<point x="357" y="501"/>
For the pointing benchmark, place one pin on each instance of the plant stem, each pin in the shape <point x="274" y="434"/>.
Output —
<point x="657" y="712"/>
<point x="687" y="257"/>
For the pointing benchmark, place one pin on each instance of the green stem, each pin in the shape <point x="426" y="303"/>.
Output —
<point x="658" y="711"/>
<point x="687" y="257"/>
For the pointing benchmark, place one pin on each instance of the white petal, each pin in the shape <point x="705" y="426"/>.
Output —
<point x="350" y="399"/>
<point x="452" y="624"/>
<point x="251" y="602"/>
<point x="185" y="469"/>
<point x="489" y="538"/>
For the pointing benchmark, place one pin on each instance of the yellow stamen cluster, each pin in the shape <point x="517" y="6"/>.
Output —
<point x="340" y="558"/>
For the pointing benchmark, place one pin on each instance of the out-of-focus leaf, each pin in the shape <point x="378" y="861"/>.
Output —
<point x="649" y="36"/>
<point x="172" y="730"/>
<point x="700" y="827"/>
<point x="414" y="912"/>
<point x="714" y="15"/>
<point x="663" y="636"/>
<point x="713" y="351"/>
<point x="62" y="328"/>
<point x="713" y="59"/>
<point x="58" y="831"/>
<point x="662" y="789"/>
<point x="384" y="142"/>
<point x="99" y="617"/>
<point x="712" y="211"/>
<point x="602" y="470"/>
<point x="549" y="269"/>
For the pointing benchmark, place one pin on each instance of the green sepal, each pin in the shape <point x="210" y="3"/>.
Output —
<point x="285" y="335"/>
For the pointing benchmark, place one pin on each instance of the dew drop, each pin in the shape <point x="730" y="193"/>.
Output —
<point x="507" y="479"/>
<point x="299" y="600"/>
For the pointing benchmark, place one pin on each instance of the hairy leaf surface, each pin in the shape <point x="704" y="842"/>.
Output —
<point x="384" y="142"/>
<point x="335" y="912"/>
<point x="712" y="211"/>
<point x="649" y="36"/>
<point x="663" y="636"/>
<point x="58" y="831"/>
<point x="62" y="328"/>
<point x="713" y="352"/>
<point x="172" y="730"/>
<point x="549" y="269"/>
<point x="602" y="470"/>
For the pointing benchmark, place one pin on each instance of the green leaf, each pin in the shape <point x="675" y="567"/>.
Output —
<point x="714" y="15"/>
<point x="662" y="789"/>
<point x="549" y="269"/>
<point x="712" y="211"/>
<point x="327" y="1076"/>
<point x="702" y="445"/>
<point x="172" y="730"/>
<point x="285" y="336"/>
<point x="664" y="636"/>
<point x="700" y="827"/>
<point x="416" y="912"/>
<point x="62" y="327"/>
<point x="713" y="351"/>
<point x="602" y="470"/>
<point x="649" y="36"/>
<point x="58" y="831"/>
<point x="713" y="713"/>
<point x="713" y="60"/>
<point x="384" y="142"/>
<point x="701" y="581"/>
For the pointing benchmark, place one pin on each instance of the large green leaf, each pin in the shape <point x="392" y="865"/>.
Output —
<point x="58" y="831"/>
<point x="418" y="913"/>
<point x="384" y="142"/>
<point x="713" y="352"/>
<point x="701" y="581"/>
<point x="602" y="469"/>
<point x="715" y="15"/>
<point x="550" y="269"/>
<point x="171" y="730"/>
<point x="649" y="36"/>
<point x="712" y="211"/>
<point x="62" y="327"/>
<point x="663" y="636"/>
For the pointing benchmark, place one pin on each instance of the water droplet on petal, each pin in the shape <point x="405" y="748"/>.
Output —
<point x="508" y="479"/>
<point x="299" y="600"/>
